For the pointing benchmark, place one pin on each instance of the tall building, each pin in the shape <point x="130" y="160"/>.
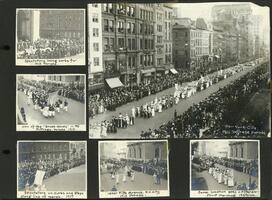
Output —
<point x="192" y="44"/>
<point x="146" y="151"/>
<point x="59" y="24"/>
<point x="243" y="150"/>
<point x="235" y="21"/>
<point x="95" y="57"/>
<point x="50" y="24"/>
<point x="129" y="39"/>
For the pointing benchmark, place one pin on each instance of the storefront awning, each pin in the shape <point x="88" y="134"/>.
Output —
<point x="144" y="71"/>
<point x="174" y="71"/>
<point x="114" y="82"/>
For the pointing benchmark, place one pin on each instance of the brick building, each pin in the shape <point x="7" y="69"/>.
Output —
<point x="192" y="44"/>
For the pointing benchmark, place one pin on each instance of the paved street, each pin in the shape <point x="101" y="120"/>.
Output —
<point x="142" y="182"/>
<point x="204" y="181"/>
<point x="74" y="115"/>
<point x="72" y="180"/>
<point x="160" y="118"/>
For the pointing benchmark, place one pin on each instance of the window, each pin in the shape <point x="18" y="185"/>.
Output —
<point x="120" y="26"/>
<point x="134" y="152"/>
<point x="133" y="27"/>
<point x="111" y="28"/>
<point x="141" y="43"/>
<point x="128" y="10"/>
<point x="96" y="46"/>
<point x="242" y="152"/>
<point x="95" y="32"/>
<point x="129" y="27"/>
<point x="141" y="28"/>
<point x="121" y="43"/>
<point x="96" y="61"/>
<point x="105" y="7"/>
<point x="129" y="43"/>
<point x="132" y="12"/>
<point x="95" y="17"/>
<point x="133" y="44"/>
<point x="111" y="43"/>
<point x="106" y="25"/>
<point x="157" y="152"/>
<point x="140" y="152"/>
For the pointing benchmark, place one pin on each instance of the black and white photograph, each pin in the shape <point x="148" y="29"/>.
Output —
<point x="133" y="168"/>
<point x="50" y="37"/>
<point x="52" y="169"/>
<point x="225" y="168"/>
<point x="51" y="102"/>
<point x="179" y="70"/>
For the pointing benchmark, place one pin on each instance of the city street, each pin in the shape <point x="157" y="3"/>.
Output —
<point x="160" y="118"/>
<point x="74" y="115"/>
<point x="142" y="182"/>
<point x="204" y="181"/>
<point x="73" y="180"/>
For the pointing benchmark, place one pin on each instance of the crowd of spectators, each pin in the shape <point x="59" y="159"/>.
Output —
<point x="49" y="48"/>
<point x="109" y="99"/>
<point x="73" y="91"/>
<point x="211" y="119"/>
<point x="27" y="169"/>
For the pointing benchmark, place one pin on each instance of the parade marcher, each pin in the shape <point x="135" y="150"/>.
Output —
<point x="65" y="105"/>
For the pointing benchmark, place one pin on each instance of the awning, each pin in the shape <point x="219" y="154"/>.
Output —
<point x="144" y="71"/>
<point x="174" y="71"/>
<point x="114" y="82"/>
<point x="217" y="56"/>
<point x="148" y="74"/>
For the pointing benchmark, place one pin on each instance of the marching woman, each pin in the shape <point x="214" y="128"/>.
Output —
<point x="117" y="178"/>
<point x="65" y="105"/>
<point x="57" y="105"/>
<point x="153" y="111"/>
<point x="46" y="111"/>
<point x="132" y="176"/>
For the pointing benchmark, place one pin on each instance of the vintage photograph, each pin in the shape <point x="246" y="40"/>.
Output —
<point x="134" y="168"/>
<point x="50" y="102"/>
<point x="225" y="168"/>
<point x="179" y="70"/>
<point x="50" y="37"/>
<point x="51" y="169"/>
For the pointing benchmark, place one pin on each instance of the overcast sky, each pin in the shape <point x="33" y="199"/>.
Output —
<point x="203" y="10"/>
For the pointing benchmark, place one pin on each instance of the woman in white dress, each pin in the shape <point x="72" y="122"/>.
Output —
<point x="160" y="107"/>
<point x="153" y="111"/>
<point x="117" y="178"/>
<point x="132" y="176"/>
<point x="46" y="111"/>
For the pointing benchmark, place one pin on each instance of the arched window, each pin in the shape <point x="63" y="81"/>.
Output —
<point x="134" y="152"/>
<point x="157" y="152"/>
<point x="140" y="152"/>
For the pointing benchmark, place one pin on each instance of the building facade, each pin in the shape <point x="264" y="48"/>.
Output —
<point x="132" y="47"/>
<point x="95" y="58"/>
<point x="59" y="24"/>
<point x="145" y="151"/>
<point x="65" y="79"/>
<point x="192" y="45"/>
<point x="236" y="22"/>
<point x="36" y="151"/>
<point x="27" y="23"/>
<point x="243" y="150"/>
